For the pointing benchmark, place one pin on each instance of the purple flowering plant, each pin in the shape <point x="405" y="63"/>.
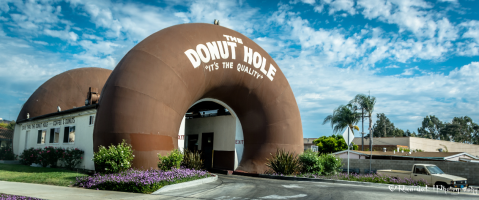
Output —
<point x="138" y="181"/>
<point x="16" y="197"/>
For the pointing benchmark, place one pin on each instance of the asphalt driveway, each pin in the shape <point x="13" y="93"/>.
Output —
<point x="239" y="188"/>
<point x="242" y="187"/>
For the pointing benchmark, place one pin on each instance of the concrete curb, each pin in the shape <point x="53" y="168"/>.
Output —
<point x="186" y="184"/>
<point x="323" y="180"/>
<point x="13" y="162"/>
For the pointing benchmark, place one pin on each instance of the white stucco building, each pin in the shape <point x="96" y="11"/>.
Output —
<point x="67" y="129"/>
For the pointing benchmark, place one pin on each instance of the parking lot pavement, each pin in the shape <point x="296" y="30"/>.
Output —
<point x="241" y="187"/>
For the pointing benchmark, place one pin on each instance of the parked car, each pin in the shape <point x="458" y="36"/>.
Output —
<point x="430" y="173"/>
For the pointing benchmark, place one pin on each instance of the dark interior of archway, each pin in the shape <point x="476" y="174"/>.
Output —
<point x="224" y="159"/>
<point x="206" y="109"/>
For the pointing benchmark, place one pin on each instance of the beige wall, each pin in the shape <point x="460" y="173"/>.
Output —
<point x="351" y="156"/>
<point x="433" y="145"/>
<point x="83" y="136"/>
<point x="424" y="144"/>
<point x="462" y="169"/>
<point x="228" y="133"/>
<point x="384" y="141"/>
<point x="223" y="128"/>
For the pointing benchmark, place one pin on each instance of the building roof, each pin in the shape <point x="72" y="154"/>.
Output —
<point x="6" y="134"/>
<point x="422" y="155"/>
<point x="67" y="90"/>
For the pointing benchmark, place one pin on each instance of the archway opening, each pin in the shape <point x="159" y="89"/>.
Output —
<point x="213" y="128"/>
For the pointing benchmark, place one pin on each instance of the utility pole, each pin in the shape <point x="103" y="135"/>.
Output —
<point x="384" y="128"/>
<point x="370" y="148"/>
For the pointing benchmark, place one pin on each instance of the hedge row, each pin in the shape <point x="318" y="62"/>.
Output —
<point x="49" y="156"/>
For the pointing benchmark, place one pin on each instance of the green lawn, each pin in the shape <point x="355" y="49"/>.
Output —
<point x="41" y="175"/>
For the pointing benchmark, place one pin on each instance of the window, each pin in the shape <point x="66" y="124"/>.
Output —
<point x="434" y="170"/>
<point x="54" y="135"/>
<point x="92" y="120"/>
<point x="69" y="134"/>
<point x="420" y="170"/>
<point x="42" y="134"/>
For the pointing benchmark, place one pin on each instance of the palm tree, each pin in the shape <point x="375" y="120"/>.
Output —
<point x="366" y="103"/>
<point x="342" y="117"/>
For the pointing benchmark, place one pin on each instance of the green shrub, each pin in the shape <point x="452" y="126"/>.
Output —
<point x="71" y="157"/>
<point x="284" y="163"/>
<point x="42" y="158"/>
<point x="172" y="160"/>
<point x="331" y="163"/>
<point x="29" y="156"/>
<point x="192" y="160"/>
<point x="114" y="159"/>
<point x="310" y="162"/>
<point x="50" y="156"/>
<point x="6" y="153"/>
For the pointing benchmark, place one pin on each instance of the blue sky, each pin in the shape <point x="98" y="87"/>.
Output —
<point x="416" y="57"/>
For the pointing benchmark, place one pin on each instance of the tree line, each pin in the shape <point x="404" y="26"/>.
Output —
<point x="9" y="126"/>
<point x="460" y="129"/>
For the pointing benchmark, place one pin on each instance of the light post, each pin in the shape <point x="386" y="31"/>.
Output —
<point x="371" y="130"/>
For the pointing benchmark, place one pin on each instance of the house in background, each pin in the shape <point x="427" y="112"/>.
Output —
<point x="308" y="144"/>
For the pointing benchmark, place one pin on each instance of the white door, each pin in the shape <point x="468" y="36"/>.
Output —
<point x="21" y="143"/>
<point x="26" y="139"/>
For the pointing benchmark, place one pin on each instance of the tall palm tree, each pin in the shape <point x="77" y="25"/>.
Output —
<point x="366" y="103"/>
<point x="342" y="117"/>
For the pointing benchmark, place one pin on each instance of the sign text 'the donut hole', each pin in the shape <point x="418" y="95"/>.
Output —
<point x="216" y="50"/>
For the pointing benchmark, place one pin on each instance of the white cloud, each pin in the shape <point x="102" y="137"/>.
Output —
<point x="62" y="34"/>
<point x="91" y="37"/>
<point x="40" y="42"/>
<point x="99" y="48"/>
<point x="95" y="61"/>
<point x="342" y="5"/>
<point x="410" y="71"/>
<point x="392" y="66"/>
<point x="409" y="15"/>
<point x="308" y="1"/>
<point x="472" y="29"/>
<point x="447" y="31"/>
<point x="271" y="45"/>
<point x="449" y="1"/>
<point x="468" y="49"/>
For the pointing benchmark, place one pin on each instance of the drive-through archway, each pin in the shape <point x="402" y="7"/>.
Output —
<point x="147" y="95"/>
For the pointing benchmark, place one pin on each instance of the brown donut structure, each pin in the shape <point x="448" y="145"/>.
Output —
<point x="67" y="90"/>
<point x="151" y="89"/>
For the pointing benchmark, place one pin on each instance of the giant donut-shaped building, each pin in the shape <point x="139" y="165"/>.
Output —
<point x="148" y="93"/>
